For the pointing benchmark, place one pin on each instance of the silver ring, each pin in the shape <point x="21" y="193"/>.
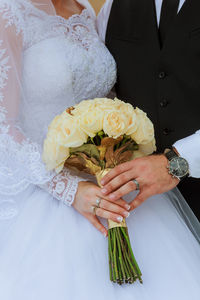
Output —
<point x="94" y="210"/>
<point x="137" y="184"/>
<point x="98" y="201"/>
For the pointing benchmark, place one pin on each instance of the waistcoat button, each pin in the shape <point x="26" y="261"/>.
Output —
<point x="164" y="103"/>
<point x="166" y="131"/>
<point x="162" y="75"/>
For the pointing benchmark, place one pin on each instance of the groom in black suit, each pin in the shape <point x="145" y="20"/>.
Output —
<point x="158" y="61"/>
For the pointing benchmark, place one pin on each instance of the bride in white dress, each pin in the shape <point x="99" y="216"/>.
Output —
<point x="48" y="250"/>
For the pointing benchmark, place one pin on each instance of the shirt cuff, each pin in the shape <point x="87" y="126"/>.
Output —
<point x="189" y="148"/>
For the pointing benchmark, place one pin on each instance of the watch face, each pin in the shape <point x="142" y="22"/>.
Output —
<point x="178" y="167"/>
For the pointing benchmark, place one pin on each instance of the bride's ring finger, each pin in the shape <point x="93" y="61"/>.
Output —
<point x="113" y="208"/>
<point x="98" y="201"/>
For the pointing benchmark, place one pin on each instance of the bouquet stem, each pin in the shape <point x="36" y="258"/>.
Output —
<point x="123" y="266"/>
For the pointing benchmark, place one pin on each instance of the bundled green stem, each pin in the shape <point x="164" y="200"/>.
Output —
<point x="122" y="263"/>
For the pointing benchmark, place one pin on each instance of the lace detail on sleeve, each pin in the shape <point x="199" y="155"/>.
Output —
<point x="20" y="166"/>
<point x="63" y="186"/>
<point x="12" y="13"/>
<point x="14" y="155"/>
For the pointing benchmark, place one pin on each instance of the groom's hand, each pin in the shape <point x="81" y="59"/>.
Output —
<point x="150" y="172"/>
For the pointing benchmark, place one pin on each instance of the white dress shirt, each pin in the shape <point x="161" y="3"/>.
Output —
<point x="189" y="147"/>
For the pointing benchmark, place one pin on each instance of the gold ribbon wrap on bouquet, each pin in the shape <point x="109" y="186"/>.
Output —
<point x="111" y="224"/>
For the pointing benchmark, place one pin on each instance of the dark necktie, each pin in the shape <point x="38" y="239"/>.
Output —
<point x="168" y="13"/>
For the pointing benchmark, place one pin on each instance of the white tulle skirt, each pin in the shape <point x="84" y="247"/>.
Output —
<point x="50" y="252"/>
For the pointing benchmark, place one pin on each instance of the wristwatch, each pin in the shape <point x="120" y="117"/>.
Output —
<point x="178" y="166"/>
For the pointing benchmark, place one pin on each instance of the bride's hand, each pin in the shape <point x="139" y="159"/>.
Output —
<point x="85" y="199"/>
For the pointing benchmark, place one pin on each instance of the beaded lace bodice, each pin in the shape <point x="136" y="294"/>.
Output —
<point x="73" y="61"/>
<point x="62" y="62"/>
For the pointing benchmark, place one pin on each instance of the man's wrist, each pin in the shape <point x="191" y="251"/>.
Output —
<point x="189" y="148"/>
<point x="178" y="167"/>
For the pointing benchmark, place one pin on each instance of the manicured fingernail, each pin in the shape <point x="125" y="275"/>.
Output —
<point x="105" y="235"/>
<point x="127" y="207"/>
<point x="104" y="191"/>
<point x="126" y="214"/>
<point x="120" y="219"/>
<point x="112" y="196"/>
<point x="102" y="182"/>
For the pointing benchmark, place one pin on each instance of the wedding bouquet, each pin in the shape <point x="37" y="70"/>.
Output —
<point x="94" y="137"/>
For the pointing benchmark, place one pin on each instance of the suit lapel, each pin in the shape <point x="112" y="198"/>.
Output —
<point x="184" y="6"/>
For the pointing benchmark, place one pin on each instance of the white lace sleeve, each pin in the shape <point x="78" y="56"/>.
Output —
<point x="63" y="186"/>
<point x="20" y="158"/>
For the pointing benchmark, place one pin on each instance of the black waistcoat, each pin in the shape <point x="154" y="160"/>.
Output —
<point x="165" y="82"/>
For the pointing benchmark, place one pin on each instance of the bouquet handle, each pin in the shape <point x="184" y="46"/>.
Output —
<point x="111" y="224"/>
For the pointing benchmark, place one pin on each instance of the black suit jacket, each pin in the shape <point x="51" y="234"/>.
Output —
<point x="163" y="81"/>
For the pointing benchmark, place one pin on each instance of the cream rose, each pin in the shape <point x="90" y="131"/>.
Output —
<point x="104" y="103"/>
<point x="82" y="107"/>
<point x="145" y="150"/>
<point x="131" y="116"/>
<point x="55" y="123"/>
<point x="74" y="136"/>
<point x="137" y="154"/>
<point x="97" y="103"/>
<point x="115" y="123"/>
<point x="145" y="129"/>
<point x="68" y="132"/>
<point x="54" y="155"/>
<point x="91" y="122"/>
<point x="129" y="112"/>
<point x="149" y="148"/>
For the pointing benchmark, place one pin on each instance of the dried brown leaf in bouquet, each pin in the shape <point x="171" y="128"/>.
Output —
<point x="102" y="151"/>
<point x="89" y="149"/>
<point x="123" y="157"/>
<point x="94" y="169"/>
<point x="83" y="163"/>
<point x="76" y="162"/>
<point x="124" y="153"/>
<point x="105" y="144"/>
<point x="107" y="149"/>
<point x="69" y="110"/>
<point x="107" y="141"/>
